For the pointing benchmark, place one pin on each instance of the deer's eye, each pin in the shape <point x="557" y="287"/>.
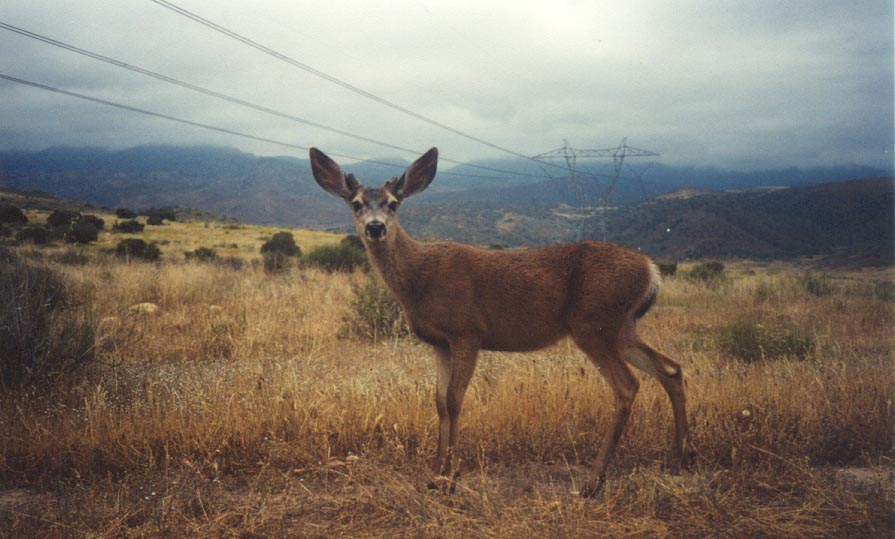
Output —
<point x="357" y="205"/>
<point x="393" y="205"/>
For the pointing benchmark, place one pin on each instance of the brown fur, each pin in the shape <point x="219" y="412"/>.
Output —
<point x="462" y="299"/>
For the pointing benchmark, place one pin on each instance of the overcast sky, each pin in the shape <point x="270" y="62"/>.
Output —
<point x="747" y="84"/>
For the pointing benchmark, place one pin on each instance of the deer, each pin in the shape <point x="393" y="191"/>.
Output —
<point x="462" y="299"/>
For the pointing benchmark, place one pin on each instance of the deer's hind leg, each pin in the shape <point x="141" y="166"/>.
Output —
<point x="668" y="372"/>
<point x="605" y="355"/>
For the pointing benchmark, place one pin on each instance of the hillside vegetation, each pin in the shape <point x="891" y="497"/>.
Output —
<point x="240" y="405"/>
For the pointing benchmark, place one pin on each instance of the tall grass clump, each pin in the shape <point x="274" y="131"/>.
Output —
<point x="749" y="340"/>
<point x="44" y="333"/>
<point x="373" y="313"/>
<point x="816" y="285"/>
<point x="707" y="273"/>
<point x="343" y="257"/>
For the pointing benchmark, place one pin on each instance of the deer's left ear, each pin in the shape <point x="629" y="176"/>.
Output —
<point x="330" y="176"/>
<point x="417" y="177"/>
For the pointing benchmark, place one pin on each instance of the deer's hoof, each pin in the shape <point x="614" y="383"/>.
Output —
<point x="444" y="484"/>
<point x="592" y="489"/>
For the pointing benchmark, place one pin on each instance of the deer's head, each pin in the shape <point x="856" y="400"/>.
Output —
<point x="375" y="209"/>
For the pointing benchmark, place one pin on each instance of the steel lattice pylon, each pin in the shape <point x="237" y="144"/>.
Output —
<point x="618" y="154"/>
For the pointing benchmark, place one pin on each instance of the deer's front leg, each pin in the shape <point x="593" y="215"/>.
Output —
<point x="442" y="380"/>
<point x="454" y="371"/>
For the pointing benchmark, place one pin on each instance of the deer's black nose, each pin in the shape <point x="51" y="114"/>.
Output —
<point x="375" y="229"/>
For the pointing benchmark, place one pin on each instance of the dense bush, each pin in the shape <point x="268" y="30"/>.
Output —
<point x="62" y="218"/>
<point x="137" y="248"/>
<point x="283" y="243"/>
<point x="128" y="227"/>
<point x="161" y="213"/>
<point x="667" y="269"/>
<point x="202" y="254"/>
<point x="125" y="213"/>
<point x="36" y="234"/>
<point x="12" y="214"/>
<point x="81" y="231"/>
<point x="373" y="313"/>
<point x="341" y="257"/>
<point x="97" y="222"/>
<point x="43" y="333"/>
<point x="747" y="340"/>
<point x="155" y="220"/>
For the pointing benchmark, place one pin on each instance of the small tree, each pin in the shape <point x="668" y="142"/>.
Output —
<point x="283" y="243"/>
<point x="12" y="214"/>
<point x="124" y="213"/>
<point x="155" y="220"/>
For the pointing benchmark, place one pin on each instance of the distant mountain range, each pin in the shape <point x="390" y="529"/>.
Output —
<point x="711" y="213"/>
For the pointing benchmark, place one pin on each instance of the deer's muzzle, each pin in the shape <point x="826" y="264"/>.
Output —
<point x="375" y="229"/>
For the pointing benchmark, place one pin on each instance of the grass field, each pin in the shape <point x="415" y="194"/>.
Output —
<point x="237" y="410"/>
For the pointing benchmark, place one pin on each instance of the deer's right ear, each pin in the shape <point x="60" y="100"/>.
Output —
<point x="330" y="176"/>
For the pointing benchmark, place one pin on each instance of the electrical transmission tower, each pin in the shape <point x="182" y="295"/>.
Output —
<point x="618" y="154"/>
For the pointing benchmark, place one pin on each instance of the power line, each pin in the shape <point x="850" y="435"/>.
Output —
<point x="339" y="82"/>
<point x="199" y="124"/>
<point x="235" y="100"/>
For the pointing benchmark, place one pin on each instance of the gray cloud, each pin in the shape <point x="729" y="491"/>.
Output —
<point x="718" y="83"/>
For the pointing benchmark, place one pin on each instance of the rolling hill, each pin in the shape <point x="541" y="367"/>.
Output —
<point x="699" y="213"/>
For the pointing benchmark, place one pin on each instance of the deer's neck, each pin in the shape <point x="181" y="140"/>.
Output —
<point x="398" y="262"/>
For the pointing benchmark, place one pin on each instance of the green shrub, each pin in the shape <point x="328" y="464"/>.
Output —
<point x="747" y="340"/>
<point x="706" y="273"/>
<point x="62" y="218"/>
<point x="128" y="227"/>
<point x="36" y="234"/>
<point x="161" y="213"/>
<point x="202" y="254"/>
<point x="373" y="313"/>
<point x="283" y="243"/>
<point x="336" y="258"/>
<point x="137" y="248"/>
<point x="81" y="231"/>
<point x="12" y="214"/>
<point x="155" y="220"/>
<point x="125" y="213"/>
<point x="353" y="240"/>
<point x="43" y="332"/>
<point x="97" y="222"/>
<point x="667" y="269"/>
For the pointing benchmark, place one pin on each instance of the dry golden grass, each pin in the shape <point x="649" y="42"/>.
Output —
<point x="236" y="411"/>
